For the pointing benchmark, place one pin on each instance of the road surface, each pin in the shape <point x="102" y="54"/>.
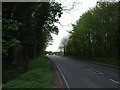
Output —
<point x="82" y="74"/>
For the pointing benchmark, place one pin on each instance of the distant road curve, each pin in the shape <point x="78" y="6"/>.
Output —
<point x="82" y="74"/>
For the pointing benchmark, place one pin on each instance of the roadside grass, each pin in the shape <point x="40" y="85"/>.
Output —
<point x="59" y="53"/>
<point x="104" y="60"/>
<point x="111" y="61"/>
<point x="39" y="75"/>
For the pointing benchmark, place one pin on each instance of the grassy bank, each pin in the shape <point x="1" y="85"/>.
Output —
<point x="111" y="61"/>
<point x="104" y="60"/>
<point x="39" y="75"/>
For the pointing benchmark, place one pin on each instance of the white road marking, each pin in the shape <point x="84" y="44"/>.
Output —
<point x="115" y="81"/>
<point x="92" y="70"/>
<point x="95" y="71"/>
<point x="63" y="77"/>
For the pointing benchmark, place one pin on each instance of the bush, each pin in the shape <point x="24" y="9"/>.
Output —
<point x="39" y="75"/>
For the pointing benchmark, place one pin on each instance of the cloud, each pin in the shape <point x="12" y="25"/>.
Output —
<point x="67" y="19"/>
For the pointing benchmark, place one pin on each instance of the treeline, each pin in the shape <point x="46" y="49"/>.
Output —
<point x="96" y="33"/>
<point x="54" y="53"/>
<point x="26" y="28"/>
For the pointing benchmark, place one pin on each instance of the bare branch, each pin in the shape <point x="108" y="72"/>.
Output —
<point x="72" y="7"/>
<point x="62" y="25"/>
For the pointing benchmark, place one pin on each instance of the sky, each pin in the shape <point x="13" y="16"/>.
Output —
<point x="69" y="18"/>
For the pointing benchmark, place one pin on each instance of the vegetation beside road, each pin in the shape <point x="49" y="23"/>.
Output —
<point x="110" y="61"/>
<point x="54" y="53"/>
<point x="102" y="60"/>
<point x="39" y="75"/>
<point x="26" y="32"/>
<point x="95" y="36"/>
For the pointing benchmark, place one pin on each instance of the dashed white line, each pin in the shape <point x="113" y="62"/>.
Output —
<point x="115" y="81"/>
<point x="95" y="71"/>
<point x="92" y="70"/>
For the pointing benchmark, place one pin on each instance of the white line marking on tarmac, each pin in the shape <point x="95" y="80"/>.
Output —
<point x="115" y="81"/>
<point x="95" y="71"/>
<point x="63" y="76"/>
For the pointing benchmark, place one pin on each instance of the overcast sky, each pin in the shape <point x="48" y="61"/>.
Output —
<point x="68" y="18"/>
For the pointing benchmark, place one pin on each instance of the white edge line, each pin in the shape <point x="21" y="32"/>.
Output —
<point x="63" y="76"/>
<point x="114" y="81"/>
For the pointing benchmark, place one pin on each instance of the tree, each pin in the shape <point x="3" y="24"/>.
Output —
<point x="94" y="34"/>
<point x="26" y="32"/>
<point x="63" y="44"/>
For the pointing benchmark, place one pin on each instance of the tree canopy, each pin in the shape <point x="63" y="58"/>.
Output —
<point x="95" y="33"/>
<point x="27" y="28"/>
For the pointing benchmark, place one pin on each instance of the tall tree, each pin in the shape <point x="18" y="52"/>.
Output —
<point x="94" y="34"/>
<point x="26" y="31"/>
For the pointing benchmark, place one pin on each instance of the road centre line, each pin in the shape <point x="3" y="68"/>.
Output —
<point x="115" y="81"/>
<point x="97" y="71"/>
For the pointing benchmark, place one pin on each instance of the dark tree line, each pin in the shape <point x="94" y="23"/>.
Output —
<point x="26" y="33"/>
<point x="96" y="33"/>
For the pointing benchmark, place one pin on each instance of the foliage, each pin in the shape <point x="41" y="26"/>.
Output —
<point x="54" y="53"/>
<point x="59" y="53"/>
<point x="9" y="29"/>
<point x="63" y="44"/>
<point x="94" y="34"/>
<point x="112" y="61"/>
<point x="39" y="75"/>
<point x="27" y="29"/>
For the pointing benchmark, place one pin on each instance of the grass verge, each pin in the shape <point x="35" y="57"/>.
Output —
<point x="39" y="75"/>
<point x="104" y="60"/>
<point x="111" y="61"/>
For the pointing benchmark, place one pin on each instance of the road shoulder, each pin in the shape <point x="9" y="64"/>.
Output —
<point x="57" y="80"/>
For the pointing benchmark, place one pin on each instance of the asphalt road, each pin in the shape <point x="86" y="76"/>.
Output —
<point x="81" y="74"/>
